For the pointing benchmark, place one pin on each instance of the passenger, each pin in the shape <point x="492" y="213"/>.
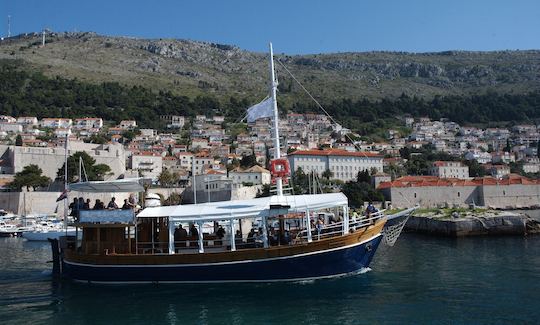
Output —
<point x="286" y="238"/>
<point x="251" y="236"/>
<point x="73" y="206"/>
<point x="99" y="205"/>
<point x="87" y="204"/>
<point x="193" y="232"/>
<point x="220" y="233"/>
<point x="112" y="204"/>
<point x="182" y="233"/>
<point x="126" y="205"/>
<point x="132" y="201"/>
<point x="259" y="239"/>
<point x="370" y="209"/>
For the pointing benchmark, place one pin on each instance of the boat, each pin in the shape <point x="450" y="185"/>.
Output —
<point x="269" y="239"/>
<point x="46" y="230"/>
<point x="9" y="230"/>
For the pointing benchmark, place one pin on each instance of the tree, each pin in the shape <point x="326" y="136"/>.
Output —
<point x="93" y="171"/>
<point x="363" y="177"/>
<point x="327" y="174"/>
<point x="359" y="192"/>
<point x="30" y="176"/>
<point x="18" y="140"/>
<point x="165" y="178"/>
<point x="248" y="161"/>
<point x="475" y="168"/>
<point x="173" y="199"/>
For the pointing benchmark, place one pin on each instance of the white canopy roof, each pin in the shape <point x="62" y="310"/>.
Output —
<point x="114" y="186"/>
<point x="258" y="207"/>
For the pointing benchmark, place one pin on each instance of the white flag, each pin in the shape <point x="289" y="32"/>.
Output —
<point x="261" y="110"/>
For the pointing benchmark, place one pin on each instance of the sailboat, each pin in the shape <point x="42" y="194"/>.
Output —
<point x="276" y="238"/>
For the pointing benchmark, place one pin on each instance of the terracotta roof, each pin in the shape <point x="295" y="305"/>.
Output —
<point x="420" y="181"/>
<point x="335" y="152"/>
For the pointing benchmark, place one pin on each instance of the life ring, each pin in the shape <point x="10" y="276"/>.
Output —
<point x="280" y="168"/>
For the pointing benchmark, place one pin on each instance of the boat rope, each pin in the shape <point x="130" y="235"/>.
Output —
<point x="320" y="106"/>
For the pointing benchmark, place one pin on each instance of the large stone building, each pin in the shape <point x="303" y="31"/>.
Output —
<point x="343" y="164"/>
<point x="513" y="191"/>
<point x="50" y="159"/>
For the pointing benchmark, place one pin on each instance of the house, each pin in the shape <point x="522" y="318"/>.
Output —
<point x="255" y="175"/>
<point x="449" y="169"/>
<point x="56" y="123"/>
<point x="343" y="164"/>
<point x="88" y="123"/>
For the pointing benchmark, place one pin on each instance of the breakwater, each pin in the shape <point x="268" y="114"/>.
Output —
<point x="471" y="223"/>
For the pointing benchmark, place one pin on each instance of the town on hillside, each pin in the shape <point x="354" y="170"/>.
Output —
<point x="432" y="163"/>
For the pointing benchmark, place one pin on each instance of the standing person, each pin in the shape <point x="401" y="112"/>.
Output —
<point x="132" y="201"/>
<point x="126" y="205"/>
<point x="193" y="231"/>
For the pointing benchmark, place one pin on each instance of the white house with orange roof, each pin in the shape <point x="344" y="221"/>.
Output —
<point x="27" y="120"/>
<point x="148" y="164"/>
<point x="343" y="164"/>
<point x="255" y="175"/>
<point x="88" y="123"/>
<point x="56" y="122"/>
<point x="127" y="124"/>
<point x="449" y="169"/>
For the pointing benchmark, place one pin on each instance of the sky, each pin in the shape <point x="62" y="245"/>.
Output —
<point x="295" y="26"/>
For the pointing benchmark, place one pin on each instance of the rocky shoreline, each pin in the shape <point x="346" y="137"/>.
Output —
<point x="471" y="223"/>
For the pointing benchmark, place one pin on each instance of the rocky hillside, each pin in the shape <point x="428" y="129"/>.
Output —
<point x="191" y="68"/>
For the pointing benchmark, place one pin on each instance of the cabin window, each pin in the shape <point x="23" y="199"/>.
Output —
<point x="504" y="192"/>
<point x="415" y="195"/>
<point x="458" y="194"/>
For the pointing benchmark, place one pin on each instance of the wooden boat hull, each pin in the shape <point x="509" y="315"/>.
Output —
<point x="325" y="258"/>
<point x="322" y="264"/>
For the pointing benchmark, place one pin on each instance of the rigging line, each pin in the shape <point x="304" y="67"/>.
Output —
<point x="320" y="106"/>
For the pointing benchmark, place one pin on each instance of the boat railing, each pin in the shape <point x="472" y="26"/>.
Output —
<point x="336" y="228"/>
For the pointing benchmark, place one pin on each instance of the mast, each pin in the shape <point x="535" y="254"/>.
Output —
<point x="66" y="183"/>
<point x="273" y="88"/>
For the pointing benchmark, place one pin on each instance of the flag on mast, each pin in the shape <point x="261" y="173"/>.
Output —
<point x="260" y="110"/>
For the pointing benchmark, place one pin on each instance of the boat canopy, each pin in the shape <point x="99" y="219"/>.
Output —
<point x="259" y="207"/>
<point x="114" y="186"/>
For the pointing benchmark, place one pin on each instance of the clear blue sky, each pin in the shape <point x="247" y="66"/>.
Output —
<point x="296" y="27"/>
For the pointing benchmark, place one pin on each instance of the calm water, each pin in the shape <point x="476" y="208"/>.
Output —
<point x="422" y="280"/>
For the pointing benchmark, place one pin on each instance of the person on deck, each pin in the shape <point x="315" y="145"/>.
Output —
<point x="126" y="205"/>
<point x="193" y="231"/>
<point x="112" y="204"/>
<point x="370" y="209"/>
<point x="99" y="205"/>
<point x="220" y="232"/>
<point x="87" y="205"/>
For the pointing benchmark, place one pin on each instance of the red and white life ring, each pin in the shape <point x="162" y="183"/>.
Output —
<point x="280" y="168"/>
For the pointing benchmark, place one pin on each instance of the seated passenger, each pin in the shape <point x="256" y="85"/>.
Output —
<point x="99" y="205"/>
<point x="220" y="233"/>
<point x="371" y="209"/>
<point x="87" y="204"/>
<point x="126" y="205"/>
<point x="112" y="204"/>
<point x="193" y="232"/>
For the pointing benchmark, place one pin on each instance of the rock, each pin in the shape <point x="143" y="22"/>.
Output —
<point x="505" y="224"/>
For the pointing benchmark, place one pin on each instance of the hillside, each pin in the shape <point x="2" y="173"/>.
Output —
<point x="192" y="68"/>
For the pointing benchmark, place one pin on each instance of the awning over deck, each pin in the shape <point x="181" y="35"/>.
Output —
<point x="114" y="186"/>
<point x="259" y="207"/>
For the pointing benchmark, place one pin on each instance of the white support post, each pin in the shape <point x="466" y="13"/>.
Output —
<point x="233" y="239"/>
<point x="308" y="227"/>
<point x="345" y="220"/>
<point x="201" y="242"/>
<point x="265" y="232"/>
<point x="171" y="237"/>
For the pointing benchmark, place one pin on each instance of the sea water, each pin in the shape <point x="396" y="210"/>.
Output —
<point x="421" y="280"/>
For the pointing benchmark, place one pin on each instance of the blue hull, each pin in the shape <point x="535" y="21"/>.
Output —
<point x="325" y="264"/>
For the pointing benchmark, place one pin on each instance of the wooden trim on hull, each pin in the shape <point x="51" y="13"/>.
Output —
<point x="229" y="256"/>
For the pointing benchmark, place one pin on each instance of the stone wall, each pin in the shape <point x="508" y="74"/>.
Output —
<point x="432" y="196"/>
<point x="493" y="196"/>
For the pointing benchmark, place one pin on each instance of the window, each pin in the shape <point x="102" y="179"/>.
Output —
<point x="415" y="195"/>
<point x="458" y="194"/>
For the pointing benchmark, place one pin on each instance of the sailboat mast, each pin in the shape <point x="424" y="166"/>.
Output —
<point x="66" y="182"/>
<point x="273" y="88"/>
